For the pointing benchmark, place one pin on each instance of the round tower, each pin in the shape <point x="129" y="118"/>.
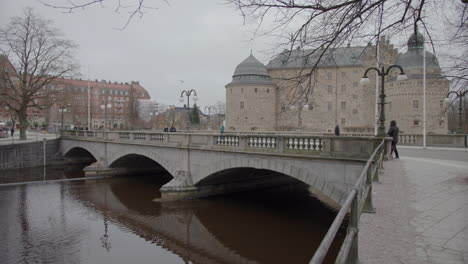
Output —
<point x="405" y="98"/>
<point x="250" y="98"/>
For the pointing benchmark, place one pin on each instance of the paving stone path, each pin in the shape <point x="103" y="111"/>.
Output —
<point x="421" y="210"/>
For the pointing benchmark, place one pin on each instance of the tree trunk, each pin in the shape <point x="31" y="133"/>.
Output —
<point x="23" y="124"/>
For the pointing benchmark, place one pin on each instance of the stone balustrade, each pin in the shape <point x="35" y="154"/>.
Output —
<point x="272" y="142"/>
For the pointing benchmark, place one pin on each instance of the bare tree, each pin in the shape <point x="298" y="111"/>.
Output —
<point x="320" y="26"/>
<point x="134" y="8"/>
<point x="39" y="55"/>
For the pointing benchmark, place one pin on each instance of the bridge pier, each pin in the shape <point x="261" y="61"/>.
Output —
<point x="97" y="169"/>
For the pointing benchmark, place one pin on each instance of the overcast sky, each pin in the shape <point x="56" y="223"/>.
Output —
<point x="199" y="42"/>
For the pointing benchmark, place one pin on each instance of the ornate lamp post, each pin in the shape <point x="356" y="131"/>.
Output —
<point x="188" y="93"/>
<point x="382" y="73"/>
<point x="300" y="107"/>
<point x="459" y="94"/>
<point x="62" y="110"/>
<point x="105" y="107"/>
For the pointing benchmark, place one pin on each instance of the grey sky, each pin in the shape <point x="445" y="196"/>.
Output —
<point x="199" y="42"/>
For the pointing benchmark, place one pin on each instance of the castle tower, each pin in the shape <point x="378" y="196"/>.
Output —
<point x="405" y="98"/>
<point x="250" y="98"/>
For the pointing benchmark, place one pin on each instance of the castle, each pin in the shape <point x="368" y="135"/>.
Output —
<point x="287" y="95"/>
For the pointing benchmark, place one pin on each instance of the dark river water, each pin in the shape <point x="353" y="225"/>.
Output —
<point x="117" y="220"/>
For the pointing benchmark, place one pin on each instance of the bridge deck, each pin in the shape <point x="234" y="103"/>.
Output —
<point x="422" y="210"/>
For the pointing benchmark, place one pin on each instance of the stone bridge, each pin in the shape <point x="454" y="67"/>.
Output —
<point x="202" y="164"/>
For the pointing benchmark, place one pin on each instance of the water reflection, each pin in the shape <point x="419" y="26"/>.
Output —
<point x="117" y="221"/>
<point x="56" y="172"/>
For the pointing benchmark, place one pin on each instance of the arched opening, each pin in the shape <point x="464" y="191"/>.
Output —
<point x="139" y="165"/>
<point x="79" y="155"/>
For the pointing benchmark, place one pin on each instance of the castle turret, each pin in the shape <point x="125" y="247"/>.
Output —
<point x="250" y="98"/>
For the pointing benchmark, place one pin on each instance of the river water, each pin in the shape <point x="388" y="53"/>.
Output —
<point x="118" y="220"/>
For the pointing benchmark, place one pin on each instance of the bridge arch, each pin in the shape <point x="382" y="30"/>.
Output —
<point x="283" y="168"/>
<point x="80" y="152"/>
<point x="141" y="152"/>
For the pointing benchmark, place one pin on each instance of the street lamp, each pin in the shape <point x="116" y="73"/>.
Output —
<point x="188" y="93"/>
<point x="459" y="94"/>
<point x="105" y="107"/>
<point x="300" y="107"/>
<point x="62" y="110"/>
<point x="382" y="73"/>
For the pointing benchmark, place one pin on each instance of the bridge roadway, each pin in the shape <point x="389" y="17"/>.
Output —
<point x="209" y="164"/>
<point x="421" y="209"/>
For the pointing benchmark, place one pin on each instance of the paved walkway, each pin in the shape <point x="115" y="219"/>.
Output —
<point x="31" y="137"/>
<point x="421" y="210"/>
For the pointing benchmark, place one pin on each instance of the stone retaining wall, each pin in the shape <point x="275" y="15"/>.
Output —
<point x="29" y="154"/>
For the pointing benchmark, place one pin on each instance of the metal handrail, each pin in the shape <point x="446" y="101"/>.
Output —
<point x="351" y="201"/>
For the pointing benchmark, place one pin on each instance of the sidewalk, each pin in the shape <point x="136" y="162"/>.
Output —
<point x="421" y="212"/>
<point x="31" y="137"/>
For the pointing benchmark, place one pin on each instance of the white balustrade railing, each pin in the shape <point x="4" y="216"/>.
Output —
<point x="274" y="143"/>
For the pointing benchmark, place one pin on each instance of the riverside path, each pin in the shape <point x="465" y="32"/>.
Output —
<point x="421" y="210"/>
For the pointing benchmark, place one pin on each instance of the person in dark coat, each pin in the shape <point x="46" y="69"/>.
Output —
<point x="393" y="132"/>
<point x="12" y="130"/>
<point x="337" y="130"/>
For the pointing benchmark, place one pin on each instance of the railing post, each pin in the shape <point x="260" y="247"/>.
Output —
<point x="368" y="206"/>
<point x="353" y="224"/>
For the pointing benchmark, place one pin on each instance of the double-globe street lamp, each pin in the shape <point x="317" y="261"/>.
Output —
<point x="104" y="107"/>
<point x="382" y="73"/>
<point x="188" y="93"/>
<point x="62" y="110"/>
<point x="459" y="94"/>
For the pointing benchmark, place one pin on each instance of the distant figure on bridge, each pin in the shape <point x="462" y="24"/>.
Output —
<point x="337" y="130"/>
<point x="172" y="129"/>
<point x="393" y="132"/>
<point x="221" y="129"/>
<point x="166" y="129"/>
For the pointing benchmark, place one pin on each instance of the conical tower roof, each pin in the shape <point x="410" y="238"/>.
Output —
<point x="251" y="71"/>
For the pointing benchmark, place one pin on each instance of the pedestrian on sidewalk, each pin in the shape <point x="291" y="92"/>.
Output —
<point x="12" y="130"/>
<point x="337" y="130"/>
<point x="393" y="132"/>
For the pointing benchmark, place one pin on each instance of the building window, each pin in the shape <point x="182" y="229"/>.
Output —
<point x="343" y="88"/>
<point x="415" y="104"/>
<point x="441" y="123"/>
<point x="416" y="122"/>
<point x="256" y="89"/>
<point x="343" y="74"/>
<point x="283" y="108"/>
<point x="268" y="90"/>
<point x="355" y="96"/>
<point x="242" y="105"/>
<point x="330" y="89"/>
<point x="242" y="90"/>
<point x="231" y="90"/>
<point x="343" y="121"/>
<point x="343" y="105"/>
<point x="355" y="111"/>
<point x="330" y="75"/>
<point x="329" y="106"/>
<point x="355" y="84"/>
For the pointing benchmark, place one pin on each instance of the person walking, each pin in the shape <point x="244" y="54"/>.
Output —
<point x="393" y="132"/>
<point x="12" y="130"/>
<point x="337" y="130"/>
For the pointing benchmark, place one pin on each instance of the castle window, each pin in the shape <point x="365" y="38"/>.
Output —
<point x="343" y="88"/>
<point x="256" y="89"/>
<point x="415" y="104"/>
<point x="343" y="74"/>
<point x="343" y="121"/>
<point x="416" y="122"/>
<point x="242" y="105"/>
<point x="355" y="96"/>
<point x="343" y="105"/>
<point x="329" y="106"/>
<point x="330" y="75"/>
<point x="268" y="90"/>
<point x="330" y="89"/>
<point x="441" y="123"/>
<point x="391" y="85"/>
